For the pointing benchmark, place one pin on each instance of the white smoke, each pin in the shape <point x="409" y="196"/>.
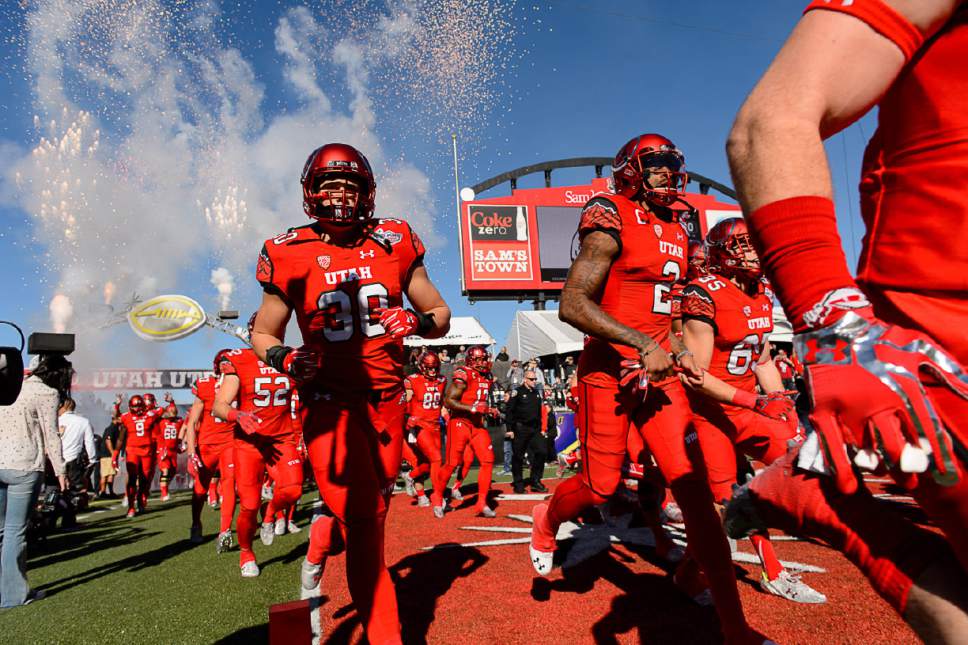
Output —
<point x="61" y="312"/>
<point x="224" y="284"/>
<point x="155" y="149"/>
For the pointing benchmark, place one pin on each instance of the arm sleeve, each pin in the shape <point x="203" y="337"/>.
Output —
<point x="601" y="214"/>
<point x="880" y="17"/>
<point x="47" y="415"/>
<point x="697" y="304"/>
<point x="411" y="249"/>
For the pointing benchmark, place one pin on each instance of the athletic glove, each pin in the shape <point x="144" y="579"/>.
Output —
<point x="246" y="420"/>
<point x="398" y="322"/>
<point x="884" y="396"/>
<point x="634" y="374"/>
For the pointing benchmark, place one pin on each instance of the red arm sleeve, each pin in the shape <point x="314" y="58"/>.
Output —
<point x="880" y="17"/>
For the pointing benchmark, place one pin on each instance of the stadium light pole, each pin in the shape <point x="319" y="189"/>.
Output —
<point x="460" y="235"/>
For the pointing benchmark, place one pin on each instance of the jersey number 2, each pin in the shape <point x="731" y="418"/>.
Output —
<point x="660" y="297"/>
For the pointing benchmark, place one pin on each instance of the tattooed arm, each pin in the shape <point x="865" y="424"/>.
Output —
<point x="584" y="284"/>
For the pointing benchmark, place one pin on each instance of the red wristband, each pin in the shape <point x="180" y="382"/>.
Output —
<point x="744" y="399"/>
<point x="232" y="416"/>
<point x="800" y="250"/>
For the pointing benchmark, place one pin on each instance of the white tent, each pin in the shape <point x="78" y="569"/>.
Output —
<point x="540" y="333"/>
<point x="464" y="330"/>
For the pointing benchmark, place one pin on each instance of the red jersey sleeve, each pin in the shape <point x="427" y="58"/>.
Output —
<point x="600" y="214"/>
<point x="697" y="304"/>
<point x="460" y="374"/>
<point x="408" y="384"/>
<point x="880" y="17"/>
<point x="269" y="270"/>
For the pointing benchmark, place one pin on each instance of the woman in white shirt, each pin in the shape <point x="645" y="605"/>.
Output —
<point x="28" y="434"/>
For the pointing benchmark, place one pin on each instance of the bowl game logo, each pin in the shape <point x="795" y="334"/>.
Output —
<point x="165" y="318"/>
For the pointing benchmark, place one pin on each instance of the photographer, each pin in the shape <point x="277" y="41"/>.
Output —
<point x="28" y="434"/>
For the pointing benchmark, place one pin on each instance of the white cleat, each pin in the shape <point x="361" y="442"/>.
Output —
<point x="292" y="527"/>
<point x="542" y="561"/>
<point x="486" y="511"/>
<point x="791" y="587"/>
<point x="250" y="569"/>
<point x="280" y="527"/>
<point x="224" y="541"/>
<point x="195" y="535"/>
<point x="439" y="512"/>
<point x="267" y="533"/>
<point x="310" y="575"/>
<point x="409" y="485"/>
<point x="165" y="498"/>
<point x="456" y="495"/>
<point x="423" y="500"/>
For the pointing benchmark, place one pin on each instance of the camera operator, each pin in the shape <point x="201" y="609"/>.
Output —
<point x="28" y="434"/>
<point x="77" y="445"/>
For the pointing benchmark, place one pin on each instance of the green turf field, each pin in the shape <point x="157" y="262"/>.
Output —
<point x="118" y="580"/>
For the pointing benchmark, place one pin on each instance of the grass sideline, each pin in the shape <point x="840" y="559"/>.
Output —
<point x="119" y="580"/>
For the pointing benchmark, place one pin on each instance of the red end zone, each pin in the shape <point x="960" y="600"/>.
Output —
<point x="452" y="588"/>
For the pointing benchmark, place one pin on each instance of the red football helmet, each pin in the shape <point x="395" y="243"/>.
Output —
<point x="478" y="359"/>
<point x="150" y="402"/>
<point x="629" y="170"/>
<point x="334" y="161"/>
<point x="430" y="365"/>
<point x="136" y="405"/>
<point x="219" y="359"/>
<point x="697" y="260"/>
<point x="730" y="250"/>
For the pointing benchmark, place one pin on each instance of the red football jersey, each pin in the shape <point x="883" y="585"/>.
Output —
<point x="428" y="395"/>
<point x="916" y="165"/>
<point x="166" y="433"/>
<point x="742" y="324"/>
<point x="141" y="431"/>
<point x="334" y="291"/>
<point x="262" y="391"/>
<point x="637" y="291"/>
<point x="478" y="390"/>
<point x="211" y="430"/>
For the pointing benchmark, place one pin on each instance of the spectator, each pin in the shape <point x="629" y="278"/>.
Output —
<point x="77" y="444"/>
<point x="786" y="368"/>
<point x="516" y="374"/>
<point x="411" y="366"/>
<point x="525" y="420"/>
<point x="539" y="376"/>
<point x="109" y="441"/>
<point x="459" y="356"/>
<point x="567" y="368"/>
<point x="500" y="368"/>
<point x="446" y="365"/>
<point x="28" y="434"/>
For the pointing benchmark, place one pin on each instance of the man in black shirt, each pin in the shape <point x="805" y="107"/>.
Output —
<point x="524" y="416"/>
<point x="109" y="440"/>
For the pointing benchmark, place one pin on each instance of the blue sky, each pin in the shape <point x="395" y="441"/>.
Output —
<point x="539" y="82"/>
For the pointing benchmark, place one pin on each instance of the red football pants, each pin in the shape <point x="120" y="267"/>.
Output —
<point x="215" y="458"/>
<point x="141" y="469"/>
<point x="722" y="436"/>
<point x="354" y="447"/>
<point x="428" y="451"/>
<point x="461" y="434"/>
<point x="605" y="417"/>
<point x="254" y="454"/>
<point x="888" y="548"/>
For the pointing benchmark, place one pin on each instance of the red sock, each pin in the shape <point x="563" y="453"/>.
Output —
<point x="246" y="526"/>
<point x="443" y="475"/>
<point x="569" y="500"/>
<point x="246" y="555"/>
<point x="483" y="483"/>
<point x="707" y="542"/>
<point x="369" y="581"/>
<point x="164" y="489"/>
<point x="890" y="550"/>
<point x="764" y="549"/>
<point x="421" y="492"/>
<point x="325" y="539"/>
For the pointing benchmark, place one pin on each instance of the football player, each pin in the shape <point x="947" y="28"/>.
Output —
<point x="633" y="250"/>
<point x="167" y="440"/>
<point x="425" y="393"/>
<point x="211" y="443"/>
<point x="884" y="353"/>
<point x="345" y="276"/>
<point x="263" y="442"/>
<point x="137" y="440"/>
<point x="468" y="400"/>
<point x="728" y="316"/>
